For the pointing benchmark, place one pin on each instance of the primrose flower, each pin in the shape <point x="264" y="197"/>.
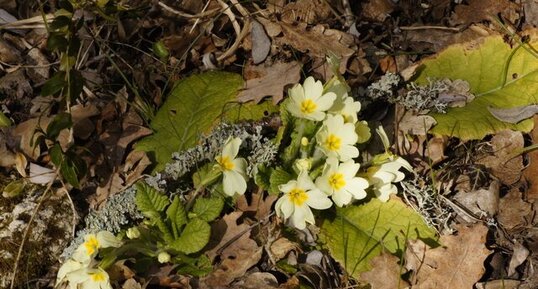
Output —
<point x="89" y="278"/>
<point x="163" y="257"/>
<point x="340" y="182"/>
<point x="234" y="179"/>
<point x="383" y="176"/>
<point x="337" y="139"/>
<point x="68" y="267"/>
<point x="308" y="100"/>
<point x="92" y="243"/>
<point x="299" y="196"/>
<point x="349" y="110"/>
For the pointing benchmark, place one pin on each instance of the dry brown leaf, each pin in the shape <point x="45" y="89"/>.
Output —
<point x="257" y="280"/>
<point x="479" y="10"/>
<point x="416" y="124"/>
<point x="237" y="256"/>
<point x="259" y="205"/>
<point x="269" y="81"/>
<point x="458" y="263"/>
<point x="377" y="10"/>
<point x="480" y="201"/>
<point x="513" y="210"/>
<point x="531" y="171"/>
<point x="385" y="265"/>
<point x="499" y="284"/>
<point x="281" y="247"/>
<point x="503" y="164"/>
<point x="307" y="11"/>
<point x="439" y="39"/>
<point x="318" y="41"/>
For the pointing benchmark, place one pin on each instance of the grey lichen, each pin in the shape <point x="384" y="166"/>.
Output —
<point x="385" y="87"/>
<point x="119" y="211"/>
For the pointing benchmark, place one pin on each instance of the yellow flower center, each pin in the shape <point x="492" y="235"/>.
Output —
<point x="91" y="245"/>
<point x="333" y="143"/>
<point x="298" y="196"/>
<point x="308" y="106"/>
<point x="336" y="181"/>
<point x="98" y="276"/>
<point x="225" y="163"/>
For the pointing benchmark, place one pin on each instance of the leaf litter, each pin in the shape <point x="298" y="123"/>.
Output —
<point x="481" y="171"/>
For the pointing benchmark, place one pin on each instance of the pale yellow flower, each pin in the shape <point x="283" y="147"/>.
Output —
<point x="308" y="101"/>
<point x="337" y="139"/>
<point x="163" y="257"/>
<point x="92" y="244"/>
<point x="299" y="196"/>
<point x="66" y="268"/>
<point x="234" y="179"/>
<point x="339" y="181"/>
<point x="350" y="109"/>
<point x="89" y="278"/>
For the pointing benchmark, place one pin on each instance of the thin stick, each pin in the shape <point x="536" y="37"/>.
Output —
<point x="240" y="8"/>
<point x="455" y="29"/>
<point x="238" y="40"/>
<point x="231" y="15"/>
<point x="187" y="15"/>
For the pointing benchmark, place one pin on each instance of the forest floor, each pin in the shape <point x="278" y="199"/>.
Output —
<point x="97" y="96"/>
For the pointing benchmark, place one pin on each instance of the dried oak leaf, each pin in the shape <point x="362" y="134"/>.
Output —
<point x="530" y="172"/>
<point x="318" y="41"/>
<point x="457" y="264"/>
<point x="479" y="10"/>
<point x="307" y="11"/>
<point x="262" y="81"/>
<point x="259" y="205"/>
<point x="237" y="251"/>
<point x="385" y="265"/>
<point x="503" y="164"/>
<point x="513" y="210"/>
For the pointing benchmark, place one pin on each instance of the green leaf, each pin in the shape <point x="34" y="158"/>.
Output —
<point x="192" y="108"/>
<point x="57" y="41"/>
<point x="149" y="200"/>
<point x="177" y="216"/>
<point x="151" y="203"/>
<point x="359" y="233"/>
<point x="278" y="177"/>
<point x="235" y="112"/>
<point x="4" y="120"/>
<point x="500" y="76"/>
<point x="194" y="237"/>
<point x="69" y="172"/>
<point x="263" y="177"/>
<point x="198" y="266"/>
<point x="160" y="50"/>
<point x="60" y="122"/>
<point x="207" y="209"/>
<point x="206" y="175"/>
<point x="54" y="84"/>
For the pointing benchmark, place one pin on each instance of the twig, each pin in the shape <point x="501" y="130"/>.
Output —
<point x="231" y="15"/>
<point x="240" y="8"/>
<point x="425" y="27"/>
<point x="238" y="39"/>
<point x="187" y="15"/>
<point x="198" y="19"/>
<point x="349" y="17"/>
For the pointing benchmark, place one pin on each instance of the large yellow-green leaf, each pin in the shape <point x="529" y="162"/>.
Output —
<point x="192" y="108"/>
<point x="359" y="233"/>
<point x="500" y="76"/>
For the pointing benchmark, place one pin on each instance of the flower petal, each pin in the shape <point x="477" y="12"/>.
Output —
<point x="318" y="200"/>
<point x="341" y="198"/>
<point x="284" y="206"/>
<point x="326" y="101"/>
<point x="348" y="152"/>
<point x="107" y="239"/>
<point x="240" y="166"/>
<point x="356" y="187"/>
<point x="231" y="148"/>
<point x="233" y="183"/>
<point x="298" y="217"/>
<point x="312" y="88"/>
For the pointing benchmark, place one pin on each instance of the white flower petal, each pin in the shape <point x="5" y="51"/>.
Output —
<point x="231" y="147"/>
<point x="68" y="267"/>
<point x="233" y="183"/>
<point x="107" y="239"/>
<point x="294" y="109"/>
<point x="284" y="207"/>
<point x="348" y="152"/>
<point x="298" y="217"/>
<point x="318" y="200"/>
<point x="341" y="198"/>
<point x="356" y="187"/>
<point x="286" y="188"/>
<point x="296" y="93"/>
<point x="349" y="169"/>
<point x="41" y="175"/>
<point x="322" y="182"/>
<point x="326" y="101"/>
<point x="309" y="217"/>
<point x="240" y="166"/>
<point x="312" y="88"/>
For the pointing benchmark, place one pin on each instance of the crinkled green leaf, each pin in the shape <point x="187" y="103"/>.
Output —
<point x="148" y="199"/>
<point x="192" y="108"/>
<point x="278" y="177"/>
<point x="4" y="120"/>
<point x="151" y="203"/>
<point x="207" y="209"/>
<point x="359" y="233"/>
<point x="193" y="238"/>
<point x="500" y="75"/>
<point x="177" y="216"/>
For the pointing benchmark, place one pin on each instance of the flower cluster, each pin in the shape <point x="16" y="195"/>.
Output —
<point x="82" y="270"/>
<point x="333" y="148"/>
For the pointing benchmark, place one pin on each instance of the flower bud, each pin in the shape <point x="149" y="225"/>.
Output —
<point x="133" y="233"/>
<point x="304" y="141"/>
<point x="163" y="257"/>
<point x="303" y="164"/>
